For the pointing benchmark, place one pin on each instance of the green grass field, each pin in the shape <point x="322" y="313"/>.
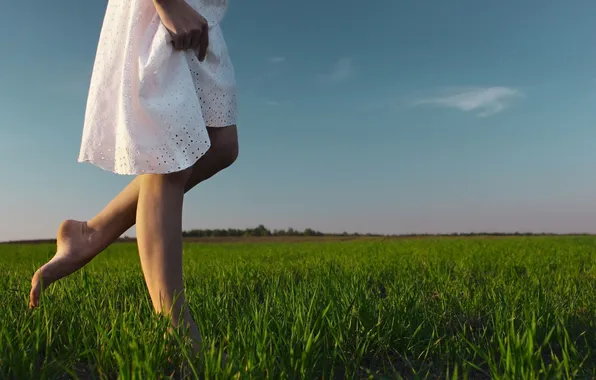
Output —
<point x="515" y="308"/>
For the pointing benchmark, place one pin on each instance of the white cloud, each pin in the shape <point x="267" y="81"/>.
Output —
<point x="485" y="101"/>
<point x="272" y="103"/>
<point x="342" y="70"/>
<point x="276" y="60"/>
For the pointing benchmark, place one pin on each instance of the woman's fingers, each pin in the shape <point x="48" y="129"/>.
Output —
<point x="204" y="44"/>
<point x="197" y="40"/>
<point x="176" y="42"/>
<point x="186" y="40"/>
<point x="189" y="30"/>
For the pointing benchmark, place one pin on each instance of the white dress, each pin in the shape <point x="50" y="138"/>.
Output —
<point x="149" y="105"/>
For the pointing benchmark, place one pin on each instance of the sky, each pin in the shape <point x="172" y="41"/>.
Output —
<point x="386" y="116"/>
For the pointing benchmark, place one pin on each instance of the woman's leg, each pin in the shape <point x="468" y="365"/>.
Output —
<point x="159" y="237"/>
<point x="79" y="242"/>
<point x="119" y="215"/>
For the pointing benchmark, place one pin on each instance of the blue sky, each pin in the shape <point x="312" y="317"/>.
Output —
<point x="394" y="117"/>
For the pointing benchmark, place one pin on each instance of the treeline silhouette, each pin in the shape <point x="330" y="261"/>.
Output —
<point x="258" y="231"/>
<point x="261" y="230"/>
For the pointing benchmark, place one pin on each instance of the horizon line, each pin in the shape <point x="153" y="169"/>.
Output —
<point x="126" y="238"/>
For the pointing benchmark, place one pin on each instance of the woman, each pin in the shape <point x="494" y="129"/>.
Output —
<point x="162" y="107"/>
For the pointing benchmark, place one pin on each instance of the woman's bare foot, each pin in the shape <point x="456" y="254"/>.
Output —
<point x="74" y="248"/>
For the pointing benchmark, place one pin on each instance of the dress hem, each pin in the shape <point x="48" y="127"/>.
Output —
<point x="111" y="169"/>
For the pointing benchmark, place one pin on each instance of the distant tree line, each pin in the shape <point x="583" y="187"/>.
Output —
<point x="261" y="230"/>
<point x="258" y="231"/>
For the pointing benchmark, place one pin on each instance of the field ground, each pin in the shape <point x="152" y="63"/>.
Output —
<point x="516" y="308"/>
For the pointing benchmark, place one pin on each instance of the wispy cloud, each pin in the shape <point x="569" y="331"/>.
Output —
<point x="342" y="70"/>
<point x="272" y="103"/>
<point x="276" y="60"/>
<point x="273" y="69"/>
<point x="485" y="101"/>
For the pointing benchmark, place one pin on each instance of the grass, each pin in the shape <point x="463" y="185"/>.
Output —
<point x="507" y="308"/>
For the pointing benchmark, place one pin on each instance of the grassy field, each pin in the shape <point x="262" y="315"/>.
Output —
<point x="516" y="308"/>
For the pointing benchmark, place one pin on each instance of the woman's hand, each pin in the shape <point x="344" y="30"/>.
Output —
<point x="189" y="30"/>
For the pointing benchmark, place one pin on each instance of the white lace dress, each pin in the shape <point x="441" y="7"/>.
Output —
<point x="149" y="105"/>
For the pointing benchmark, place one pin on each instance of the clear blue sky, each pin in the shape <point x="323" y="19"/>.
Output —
<point x="385" y="116"/>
